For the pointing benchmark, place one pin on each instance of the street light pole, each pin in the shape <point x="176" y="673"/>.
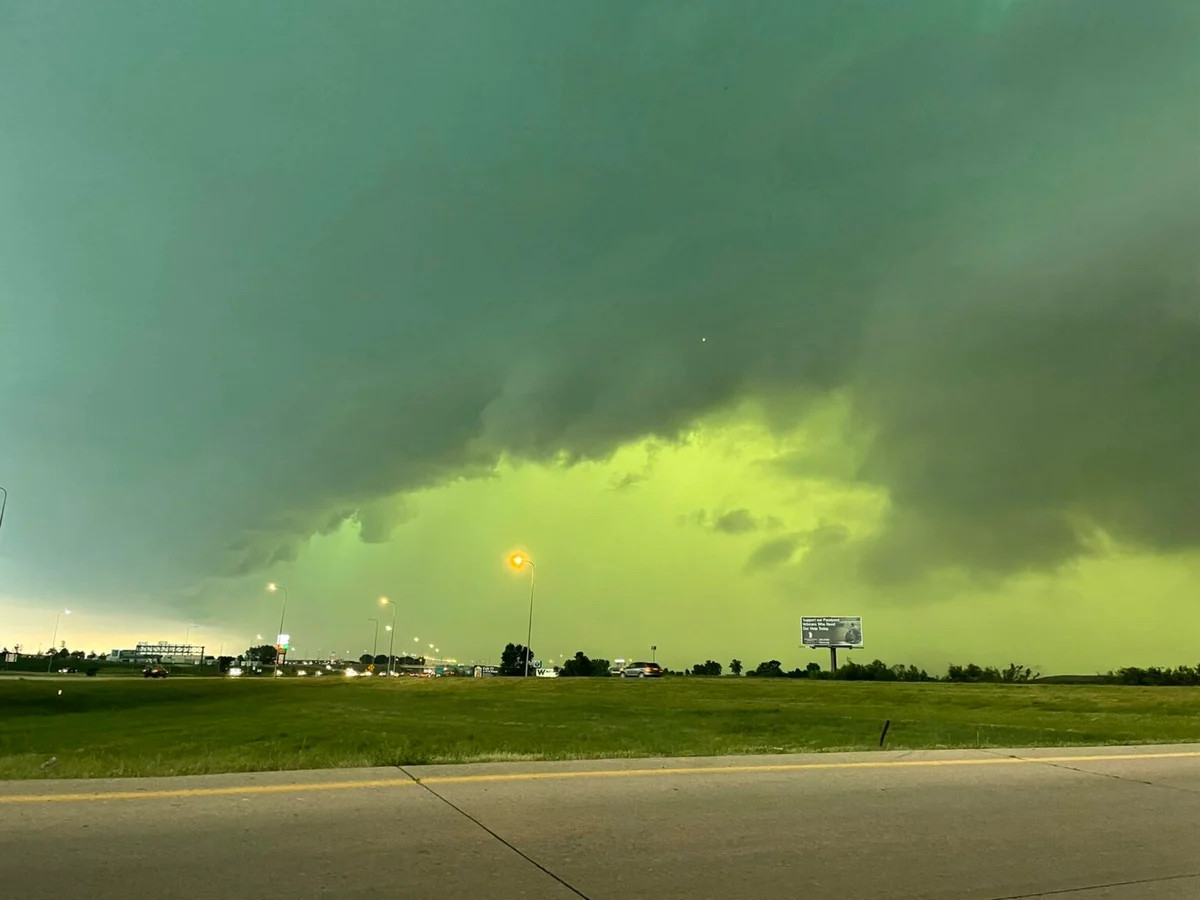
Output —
<point x="54" y="639"/>
<point x="518" y="560"/>
<point x="384" y="601"/>
<point x="187" y="641"/>
<point x="3" y="503"/>
<point x="273" y="587"/>
<point x="375" y="644"/>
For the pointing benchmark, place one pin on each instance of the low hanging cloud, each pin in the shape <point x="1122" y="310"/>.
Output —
<point x="733" y="521"/>
<point x="776" y="552"/>
<point x="736" y="521"/>
<point x="773" y="553"/>
<point x="381" y="250"/>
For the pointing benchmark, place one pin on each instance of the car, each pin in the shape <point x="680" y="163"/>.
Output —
<point x="642" y="670"/>
<point x="155" y="672"/>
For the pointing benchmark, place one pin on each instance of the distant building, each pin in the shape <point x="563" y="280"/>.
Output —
<point x="161" y="651"/>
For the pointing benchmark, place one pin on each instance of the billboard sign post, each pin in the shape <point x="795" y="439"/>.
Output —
<point x="832" y="632"/>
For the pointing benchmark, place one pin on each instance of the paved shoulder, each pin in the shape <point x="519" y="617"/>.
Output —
<point x="937" y="825"/>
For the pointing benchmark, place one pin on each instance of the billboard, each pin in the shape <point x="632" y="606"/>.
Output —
<point x="831" y="631"/>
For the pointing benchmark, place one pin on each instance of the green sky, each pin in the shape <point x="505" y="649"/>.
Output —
<point x="726" y="313"/>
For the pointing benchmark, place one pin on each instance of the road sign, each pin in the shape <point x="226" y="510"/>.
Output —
<point x="284" y="640"/>
<point x="370" y="667"/>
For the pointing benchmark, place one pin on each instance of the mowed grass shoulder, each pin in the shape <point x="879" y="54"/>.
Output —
<point x="175" y="727"/>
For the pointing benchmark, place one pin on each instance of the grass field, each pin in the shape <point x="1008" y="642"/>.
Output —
<point x="120" y="727"/>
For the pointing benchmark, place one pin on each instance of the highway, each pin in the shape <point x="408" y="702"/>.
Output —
<point x="1114" y="823"/>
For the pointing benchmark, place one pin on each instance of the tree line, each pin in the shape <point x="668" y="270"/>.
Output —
<point x="512" y="663"/>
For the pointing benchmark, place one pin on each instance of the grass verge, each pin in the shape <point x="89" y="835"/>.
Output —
<point x="197" y="726"/>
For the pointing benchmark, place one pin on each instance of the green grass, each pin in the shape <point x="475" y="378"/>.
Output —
<point x="195" y="726"/>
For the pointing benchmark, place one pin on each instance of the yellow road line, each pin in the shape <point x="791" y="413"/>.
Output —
<point x="598" y="773"/>
<point x="800" y="767"/>
<point x="207" y="792"/>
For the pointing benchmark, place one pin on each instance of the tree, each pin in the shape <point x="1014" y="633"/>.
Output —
<point x="366" y="659"/>
<point x="770" y="669"/>
<point x="1015" y="673"/>
<point x="380" y="660"/>
<point x="264" y="654"/>
<point x="63" y="653"/>
<point x="709" y="667"/>
<point x="577" y="666"/>
<point x="78" y="654"/>
<point x="735" y="666"/>
<point x="92" y="655"/>
<point x="512" y="660"/>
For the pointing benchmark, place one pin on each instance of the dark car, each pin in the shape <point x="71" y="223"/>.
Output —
<point x="155" y="672"/>
<point x="642" y="670"/>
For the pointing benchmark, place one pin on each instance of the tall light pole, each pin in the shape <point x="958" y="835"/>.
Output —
<point x="187" y="640"/>
<point x="273" y="588"/>
<point x="384" y="601"/>
<point x="518" y="561"/>
<point x="375" y="645"/>
<point x="54" y="639"/>
<point x="3" y="503"/>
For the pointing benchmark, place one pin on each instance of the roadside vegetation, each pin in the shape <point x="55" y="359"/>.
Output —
<point x="132" y="727"/>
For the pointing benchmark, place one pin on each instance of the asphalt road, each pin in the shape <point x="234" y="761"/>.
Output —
<point x="1081" y="824"/>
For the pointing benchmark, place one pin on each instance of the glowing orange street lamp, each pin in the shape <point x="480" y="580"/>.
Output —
<point x="519" y="561"/>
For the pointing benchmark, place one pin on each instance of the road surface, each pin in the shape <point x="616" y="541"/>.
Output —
<point x="1115" y="823"/>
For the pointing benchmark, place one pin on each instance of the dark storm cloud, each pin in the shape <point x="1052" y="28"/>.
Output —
<point x="266" y="266"/>
<point x="736" y="521"/>
<point x="733" y="521"/>
<point x="774" y="553"/>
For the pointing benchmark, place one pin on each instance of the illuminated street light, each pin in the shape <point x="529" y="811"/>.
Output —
<point x="518" y="561"/>
<point x="273" y="588"/>
<point x="54" y="640"/>
<point x="384" y="601"/>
